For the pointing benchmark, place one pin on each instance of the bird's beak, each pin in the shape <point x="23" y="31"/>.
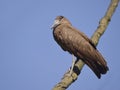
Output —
<point x="55" y="24"/>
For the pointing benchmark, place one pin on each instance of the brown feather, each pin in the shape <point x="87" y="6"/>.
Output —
<point x="77" y="43"/>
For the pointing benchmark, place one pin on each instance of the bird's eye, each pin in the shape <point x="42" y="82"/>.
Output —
<point x="61" y="17"/>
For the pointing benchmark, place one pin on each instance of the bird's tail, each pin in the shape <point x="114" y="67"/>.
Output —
<point x="97" y="64"/>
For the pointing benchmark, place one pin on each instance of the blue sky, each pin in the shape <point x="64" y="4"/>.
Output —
<point x="30" y="59"/>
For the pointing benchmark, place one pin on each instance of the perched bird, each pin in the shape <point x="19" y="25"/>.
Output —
<point x="78" y="44"/>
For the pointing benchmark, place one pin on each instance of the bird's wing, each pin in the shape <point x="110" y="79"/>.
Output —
<point x="85" y="37"/>
<point x="77" y="41"/>
<point x="81" y="46"/>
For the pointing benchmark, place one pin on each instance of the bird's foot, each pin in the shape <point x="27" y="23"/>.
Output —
<point x="69" y="73"/>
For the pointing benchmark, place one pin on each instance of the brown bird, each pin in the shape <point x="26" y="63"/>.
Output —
<point x="78" y="44"/>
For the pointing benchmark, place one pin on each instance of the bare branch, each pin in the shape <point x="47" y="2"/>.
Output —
<point x="105" y="21"/>
<point x="66" y="81"/>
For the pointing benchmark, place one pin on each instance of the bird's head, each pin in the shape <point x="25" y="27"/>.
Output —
<point x="60" y="20"/>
